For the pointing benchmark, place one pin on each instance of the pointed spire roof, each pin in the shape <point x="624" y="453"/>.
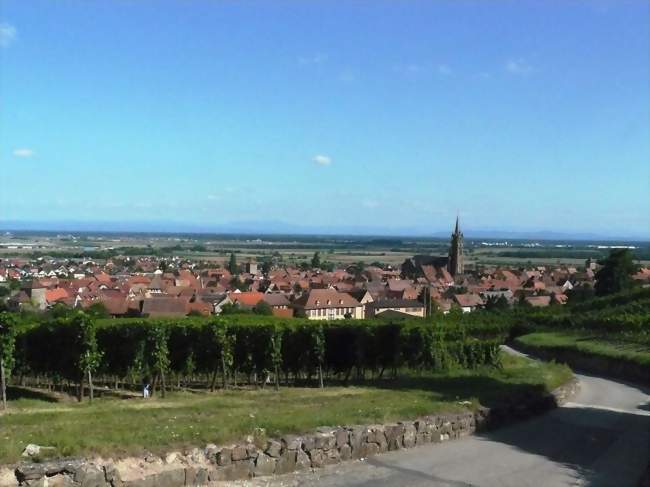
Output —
<point x="457" y="230"/>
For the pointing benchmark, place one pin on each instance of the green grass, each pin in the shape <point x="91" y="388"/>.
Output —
<point x="611" y="345"/>
<point x="119" y="427"/>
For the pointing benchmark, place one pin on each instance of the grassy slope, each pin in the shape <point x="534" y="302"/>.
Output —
<point x="120" y="427"/>
<point x="608" y="346"/>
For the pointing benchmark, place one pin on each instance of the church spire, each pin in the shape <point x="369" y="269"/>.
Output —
<point x="455" y="263"/>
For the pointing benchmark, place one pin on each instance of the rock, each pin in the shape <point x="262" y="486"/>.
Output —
<point x="368" y="450"/>
<point x="169" y="478"/>
<point x="409" y="434"/>
<point x="394" y="433"/>
<point x="324" y="441"/>
<point x="112" y="475"/>
<point x="252" y="451"/>
<point x="224" y="456"/>
<point x="200" y="478"/>
<point x="171" y="457"/>
<point x="345" y="452"/>
<point x="31" y="450"/>
<point x="291" y="442"/>
<point x="357" y="438"/>
<point x="90" y="476"/>
<point x="30" y="472"/>
<point x="273" y="449"/>
<point x="287" y="462"/>
<point x="302" y="460"/>
<point x="264" y="465"/>
<point x="197" y="455"/>
<point x="342" y="437"/>
<point x="60" y="480"/>
<point x="317" y="457"/>
<point x="239" y="453"/>
<point x="241" y="470"/>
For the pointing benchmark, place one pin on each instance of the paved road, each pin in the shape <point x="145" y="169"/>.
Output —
<point x="600" y="439"/>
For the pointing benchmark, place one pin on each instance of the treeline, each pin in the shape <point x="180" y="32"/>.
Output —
<point x="252" y="349"/>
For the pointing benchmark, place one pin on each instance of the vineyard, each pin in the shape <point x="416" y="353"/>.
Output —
<point x="69" y="351"/>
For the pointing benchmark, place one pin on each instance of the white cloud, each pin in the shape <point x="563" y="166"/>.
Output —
<point x="322" y="160"/>
<point x="7" y="34"/>
<point x="214" y="197"/>
<point x="444" y="70"/>
<point x="518" y="67"/>
<point x="23" y="152"/>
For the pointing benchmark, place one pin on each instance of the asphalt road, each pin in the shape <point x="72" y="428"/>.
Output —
<point x="600" y="439"/>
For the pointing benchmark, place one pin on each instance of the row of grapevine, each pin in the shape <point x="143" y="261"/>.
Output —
<point x="249" y="348"/>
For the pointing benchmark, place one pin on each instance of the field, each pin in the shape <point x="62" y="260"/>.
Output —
<point x="294" y="249"/>
<point x="122" y="426"/>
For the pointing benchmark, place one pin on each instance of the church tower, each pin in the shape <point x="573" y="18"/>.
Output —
<point x="455" y="264"/>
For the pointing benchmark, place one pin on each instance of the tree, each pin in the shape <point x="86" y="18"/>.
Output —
<point x="89" y="355"/>
<point x="98" y="310"/>
<point x="263" y="308"/>
<point x="7" y="347"/>
<point x="315" y="260"/>
<point x="615" y="275"/>
<point x="233" y="268"/>
<point x="159" y="336"/>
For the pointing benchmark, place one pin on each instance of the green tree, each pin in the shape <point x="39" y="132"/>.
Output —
<point x="159" y="336"/>
<point x="315" y="260"/>
<point x="263" y="308"/>
<point x="615" y="275"/>
<point x="89" y="355"/>
<point x="7" y="348"/>
<point x="233" y="268"/>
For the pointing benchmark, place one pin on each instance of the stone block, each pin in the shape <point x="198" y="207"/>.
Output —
<point x="368" y="449"/>
<point x="239" y="453"/>
<point x="408" y="439"/>
<point x="90" y="476"/>
<point x="342" y="437"/>
<point x="273" y="449"/>
<point x="169" y="478"/>
<point x="291" y="442"/>
<point x="240" y="470"/>
<point x="324" y="441"/>
<point x="287" y="462"/>
<point x="394" y="433"/>
<point x="303" y="461"/>
<point x="60" y="480"/>
<point x="224" y="456"/>
<point x="345" y="452"/>
<point x="264" y="465"/>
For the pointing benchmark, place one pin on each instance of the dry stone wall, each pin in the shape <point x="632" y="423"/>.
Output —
<point x="291" y="453"/>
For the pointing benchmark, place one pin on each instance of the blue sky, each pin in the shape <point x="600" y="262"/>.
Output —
<point x="385" y="114"/>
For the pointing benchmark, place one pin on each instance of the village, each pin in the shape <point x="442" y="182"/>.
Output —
<point x="156" y="287"/>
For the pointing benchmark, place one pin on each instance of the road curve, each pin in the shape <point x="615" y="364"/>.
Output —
<point x="602" y="438"/>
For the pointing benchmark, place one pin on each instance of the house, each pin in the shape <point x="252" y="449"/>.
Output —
<point x="408" y="307"/>
<point x="538" y="301"/>
<point x="468" y="302"/>
<point x="164" y="307"/>
<point x="280" y="305"/>
<point x="364" y="297"/>
<point x="329" y="304"/>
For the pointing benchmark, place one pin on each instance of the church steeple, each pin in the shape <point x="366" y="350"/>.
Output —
<point x="456" y="265"/>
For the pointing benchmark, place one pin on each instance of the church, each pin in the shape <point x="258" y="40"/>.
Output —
<point x="431" y="266"/>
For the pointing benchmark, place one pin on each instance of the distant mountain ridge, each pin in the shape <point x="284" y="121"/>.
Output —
<point x="284" y="228"/>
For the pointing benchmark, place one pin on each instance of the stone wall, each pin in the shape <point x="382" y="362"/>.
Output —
<point x="291" y="453"/>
